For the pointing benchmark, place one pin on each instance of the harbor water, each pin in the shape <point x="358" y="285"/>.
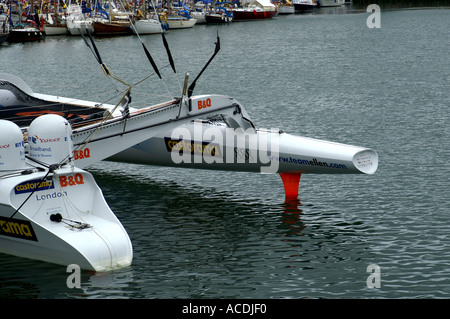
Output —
<point x="215" y="234"/>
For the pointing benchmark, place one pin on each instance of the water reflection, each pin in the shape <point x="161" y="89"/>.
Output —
<point x="191" y="243"/>
<point x="291" y="217"/>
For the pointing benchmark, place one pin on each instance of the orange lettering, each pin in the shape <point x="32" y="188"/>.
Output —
<point x="63" y="181"/>
<point x="204" y="104"/>
<point x="79" y="178"/>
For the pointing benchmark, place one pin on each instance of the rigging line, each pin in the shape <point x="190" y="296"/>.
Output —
<point x="166" y="45"/>
<point x="91" y="136"/>
<point x="147" y="52"/>
<point x="105" y="69"/>
<point x="216" y="50"/>
<point x="88" y="45"/>
<point x="31" y="194"/>
<point x="149" y="57"/>
<point x="107" y="73"/>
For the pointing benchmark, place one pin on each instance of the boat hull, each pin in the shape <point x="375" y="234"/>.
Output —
<point x="90" y="235"/>
<point x="78" y="27"/>
<point x="216" y="18"/>
<point x="112" y="28"/>
<point x="25" y="35"/>
<point x="217" y="147"/>
<point x="300" y="7"/>
<point x="148" y="136"/>
<point x="330" y="3"/>
<point x="177" y="23"/>
<point x="286" y="9"/>
<point x="246" y="14"/>
<point x="151" y="26"/>
<point x="56" y="30"/>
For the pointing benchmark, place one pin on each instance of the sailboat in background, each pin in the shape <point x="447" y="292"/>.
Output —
<point x="26" y="30"/>
<point x="77" y="22"/>
<point x="303" y="6"/>
<point x="330" y="3"/>
<point x="116" y="22"/>
<point x="285" y="7"/>
<point x="255" y="10"/>
<point x="145" y="22"/>
<point x="55" y="23"/>
<point x="180" y="19"/>
<point x="219" y="13"/>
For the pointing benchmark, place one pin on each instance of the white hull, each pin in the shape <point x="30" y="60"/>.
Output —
<point x="200" y="17"/>
<point x="286" y="9"/>
<point x="180" y="23"/>
<point x="330" y="3"/>
<point x="148" y="26"/>
<point x="30" y="233"/>
<point x="213" y="146"/>
<point x="55" y="30"/>
<point x="76" y="27"/>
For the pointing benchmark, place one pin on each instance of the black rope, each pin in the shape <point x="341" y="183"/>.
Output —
<point x="216" y="50"/>
<point x="150" y="59"/>
<point x="51" y="169"/>
<point x="166" y="45"/>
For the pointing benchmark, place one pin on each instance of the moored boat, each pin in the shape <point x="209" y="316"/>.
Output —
<point x="219" y="15"/>
<point x="54" y="23"/>
<point x="25" y="32"/>
<point x="110" y="28"/>
<point x="147" y="26"/>
<point x="255" y="10"/>
<point x="330" y="3"/>
<point x="180" y="22"/>
<point x="285" y="7"/>
<point x="305" y="5"/>
<point x="77" y="22"/>
<point x="199" y="16"/>
<point x="56" y="29"/>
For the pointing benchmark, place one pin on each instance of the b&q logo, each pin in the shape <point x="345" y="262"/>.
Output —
<point x="71" y="180"/>
<point x="83" y="153"/>
<point x="203" y="104"/>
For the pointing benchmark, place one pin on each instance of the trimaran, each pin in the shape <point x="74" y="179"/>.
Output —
<point x="52" y="210"/>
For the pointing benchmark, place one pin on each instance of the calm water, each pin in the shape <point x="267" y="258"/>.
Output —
<point x="207" y="234"/>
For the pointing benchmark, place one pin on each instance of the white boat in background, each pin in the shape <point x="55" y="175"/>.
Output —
<point x="179" y="22"/>
<point x="254" y="10"/>
<point x="330" y="3"/>
<point x="199" y="16"/>
<point x="55" y="23"/>
<point x="77" y="22"/>
<point x="55" y="29"/>
<point x="285" y="7"/>
<point x="147" y="26"/>
<point x="49" y="209"/>
<point x="302" y="6"/>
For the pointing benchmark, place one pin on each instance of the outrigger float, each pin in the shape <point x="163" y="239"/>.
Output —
<point x="53" y="222"/>
<point x="51" y="210"/>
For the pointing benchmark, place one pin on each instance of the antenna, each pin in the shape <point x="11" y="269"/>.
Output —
<point x="216" y="50"/>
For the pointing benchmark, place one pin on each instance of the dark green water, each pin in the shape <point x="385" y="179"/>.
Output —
<point x="206" y="234"/>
